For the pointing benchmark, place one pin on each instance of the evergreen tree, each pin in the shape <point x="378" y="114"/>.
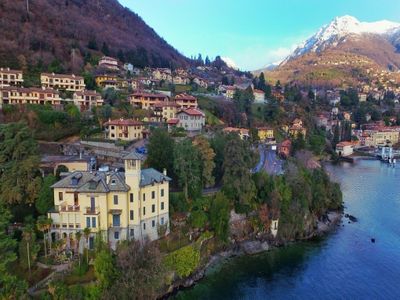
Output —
<point x="187" y="167"/>
<point x="160" y="151"/>
<point x="105" y="50"/>
<point x="238" y="184"/>
<point x="11" y="286"/>
<point x="45" y="199"/>
<point x="207" y="160"/>
<point x="19" y="165"/>
<point x="207" y="61"/>
<point x="219" y="216"/>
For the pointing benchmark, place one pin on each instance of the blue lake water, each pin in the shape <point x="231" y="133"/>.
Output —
<point x="344" y="265"/>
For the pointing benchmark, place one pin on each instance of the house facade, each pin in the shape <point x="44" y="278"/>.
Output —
<point x="259" y="96"/>
<point x="106" y="81"/>
<point x="185" y="101"/>
<point x="265" y="133"/>
<point x="191" y="119"/>
<point x="109" y="63"/>
<point x="344" y="148"/>
<point x="243" y="133"/>
<point x="146" y="100"/>
<point x="18" y="95"/>
<point x="126" y="130"/>
<point x="10" y="77"/>
<point x="71" y="83"/>
<point x="165" y="111"/>
<point x="133" y="204"/>
<point x="86" y="100"/>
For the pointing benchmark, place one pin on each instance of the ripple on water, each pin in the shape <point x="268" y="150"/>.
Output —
<point x="345" y="265"/>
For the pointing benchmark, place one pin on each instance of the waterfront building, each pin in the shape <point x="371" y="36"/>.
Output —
<point x="344" y="148"/>
<point x="133" y="204"/>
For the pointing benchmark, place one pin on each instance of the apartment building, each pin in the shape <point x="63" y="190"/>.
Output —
<point x="71" y="83"/>
<point x="18" y="95"/>
<point x="191" y="119"/>
<point x="86" y="100"/>
<point x="165" y="111"/>
<point x="185" y="101"/>
<point x="146" y="100"/>
<point x="126" y="130"/>
<point x="133" y="204"/>
<point x="10" y="77"/>
<point x="109" y="63"/>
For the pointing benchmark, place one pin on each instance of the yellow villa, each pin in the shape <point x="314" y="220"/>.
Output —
<point x="119" y="205"/>
<point x="265" y="133"/>
<point x="126" y="130"/>
<point x="107" y="81"/>
<point x="146" y="100"/>
<point x="165" y="111"/>
<point x="69" y="83"/>
<point x="383" y="137"/>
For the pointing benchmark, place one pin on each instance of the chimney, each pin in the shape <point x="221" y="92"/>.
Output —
<point x="165" y="172"/>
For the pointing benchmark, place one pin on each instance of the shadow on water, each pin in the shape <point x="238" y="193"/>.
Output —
<point x="241" y="277"/>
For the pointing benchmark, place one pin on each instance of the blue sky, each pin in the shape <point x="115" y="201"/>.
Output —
<point x="252" y="33"/>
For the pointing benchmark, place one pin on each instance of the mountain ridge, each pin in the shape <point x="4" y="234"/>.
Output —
<point x="46" y="30"/>
<point x="341" y="52"/>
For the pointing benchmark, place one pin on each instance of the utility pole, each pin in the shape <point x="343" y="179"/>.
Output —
<point x="27" y="7"/>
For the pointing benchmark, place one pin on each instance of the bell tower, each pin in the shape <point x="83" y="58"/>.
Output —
<point x="132" y="171"/>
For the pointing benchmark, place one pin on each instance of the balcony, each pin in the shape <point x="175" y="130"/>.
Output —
<point x="92" y="210"/>
<point x="69" y="208"/>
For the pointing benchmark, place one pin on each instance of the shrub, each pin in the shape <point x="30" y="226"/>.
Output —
<point x="198" y="219"/>
<point x="183" y="261"/>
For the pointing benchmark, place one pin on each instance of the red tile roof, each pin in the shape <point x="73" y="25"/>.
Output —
<point x="71" y="76"/>
<point x="185" y="96"/>
<point x="173" y="121"/>
<point x="192" y="112"/>
<point x="149" y="95"/>
<point x="122" y="122"/>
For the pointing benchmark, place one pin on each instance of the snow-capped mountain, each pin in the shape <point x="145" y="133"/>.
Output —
<point x="340" y="30"/>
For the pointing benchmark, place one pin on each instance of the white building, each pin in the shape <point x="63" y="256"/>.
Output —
<point x="109" y="63"/>
<point x="344" y="148"/>
<point x="191" y="119"/>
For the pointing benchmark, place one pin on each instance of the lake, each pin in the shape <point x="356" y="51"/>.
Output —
<point x="343" y="265"/>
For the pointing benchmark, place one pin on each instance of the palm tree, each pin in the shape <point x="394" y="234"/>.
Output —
<point x="49" y="223"/>
<point x="86" y="233"/>
<point x="78" y="236"/>
<point x="41" y="225"/>
<point x="27" y="236"/>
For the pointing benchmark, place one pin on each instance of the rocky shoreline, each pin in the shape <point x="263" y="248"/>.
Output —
<point x="250" y="247"/>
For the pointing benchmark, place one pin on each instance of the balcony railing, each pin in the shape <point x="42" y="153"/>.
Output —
<point x="69" y="208"/>
<point x="92" y="210"/>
